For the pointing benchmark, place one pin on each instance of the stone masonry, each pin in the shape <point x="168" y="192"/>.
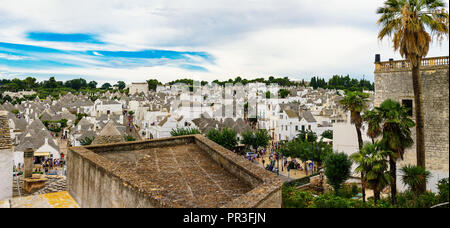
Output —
<point x="6" y="158"/>
<point x="394" y="80"/>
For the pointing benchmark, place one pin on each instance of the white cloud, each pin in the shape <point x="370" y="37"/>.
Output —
<point x="251" y="38"/>
<point x="12" y="57"/>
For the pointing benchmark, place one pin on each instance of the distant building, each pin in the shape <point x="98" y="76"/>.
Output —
<point x="138" y="87"/>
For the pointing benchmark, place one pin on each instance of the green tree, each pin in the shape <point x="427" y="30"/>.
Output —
<point x="443" y="186"/>
<point x="121" y="85"/>
<point x="373" y="166"/>
<point x="51" y="83"/>
<point x="328" y="134"/>
<point x="283" y="93"/>
<point x="337" y="169"/>
<point x="30" y="82"/>
<point x="92" y="84"/>
<point x="226" y="137"/>
<point x="106" y="86"/>
<point x="396" y="134"/>
<point x="414" y="176"/>
<point x="409" y="23"/>
<point x="152" y="84"/>
<point x="257" y="139"/>
<point x="356" y="102"/>
<point x="373" y="120"/>
<point x="309" y="136"/>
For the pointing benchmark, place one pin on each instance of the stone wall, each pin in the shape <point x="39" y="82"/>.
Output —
<point x="93" y="181"/>
<point x="397" y="85"/>
<point x="6" y="158"/>
<point x="92" y="186"/>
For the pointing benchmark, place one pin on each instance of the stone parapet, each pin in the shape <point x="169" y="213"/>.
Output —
<point x="95" y="181"/>
<point x="5" y="138"/>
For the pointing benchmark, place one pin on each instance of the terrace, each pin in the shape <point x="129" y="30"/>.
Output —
<point x="404" y="65"/>
<point x="185" y="171"/>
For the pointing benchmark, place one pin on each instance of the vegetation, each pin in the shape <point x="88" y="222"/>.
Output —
<point x="185" y="131"/>
<point x="307" y="150"/>
<point x="226" y="137"/>
<point x="79" y="117"/>
<point x="283" y="93"/>
<point x="152" y="84"/>
<point x="309" y="136"/>
<point x="373" y="121"/>
<point x="373" y="166"/>
<point x="294" y="198"/>
<point x="337" y="169"/>
<point x="356" y="103"/>
<point x="396" y="133"/>
<point x="328" y="134"/>
<point x="55" y="126"/>
<point x="257" y="139"/>
<point x="414" y="176"/>
<point x="409" y="23"/>
<point x="129" y="138"/>
<point x="342" y="83"/>
<point x="49" y="88"/>
<point x="443" y="186"/>
<point x="87" y="141"/>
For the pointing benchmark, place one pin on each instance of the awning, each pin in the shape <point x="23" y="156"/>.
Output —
<point x="42" y="154"/>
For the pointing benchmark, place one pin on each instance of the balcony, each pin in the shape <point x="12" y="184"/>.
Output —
<point x="404" y="65"/>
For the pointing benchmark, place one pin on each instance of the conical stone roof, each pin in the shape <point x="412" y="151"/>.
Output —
<point x="109" y="134"/>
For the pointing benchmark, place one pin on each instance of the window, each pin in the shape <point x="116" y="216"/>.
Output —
<point x="296" y="127"/>
<point x="303" y="127"/>
<point x="408" y="103"/>
<point x="309" y="127"/>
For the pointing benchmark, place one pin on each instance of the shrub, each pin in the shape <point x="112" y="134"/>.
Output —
<point x="184" y="131"/>
<point x="296" y="199"/>
<point x="129" y="138"/>
<point x="443" y="190"/>
<point x="348" y="191"/>
<point x="337" y="169"/>
<point x="333" y="201"/>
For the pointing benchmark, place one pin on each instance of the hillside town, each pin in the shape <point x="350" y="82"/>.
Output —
<point x="141" y="104"/>
<point x="144" y="114"/>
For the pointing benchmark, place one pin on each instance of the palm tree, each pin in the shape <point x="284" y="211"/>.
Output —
<point x="410" y="23"/>
<point x="372" y="162"/>
<point x="356" y="102"/>
<point x="359" y="158"/>
<point x="396" y="136"/>
<point x="414" y="176"/>
<point x="373" y="120"/>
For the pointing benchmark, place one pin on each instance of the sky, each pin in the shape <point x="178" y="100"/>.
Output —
<point x="135" y="40"/>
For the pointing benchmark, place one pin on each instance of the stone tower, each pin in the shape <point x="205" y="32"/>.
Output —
<point x="393" y="80"/>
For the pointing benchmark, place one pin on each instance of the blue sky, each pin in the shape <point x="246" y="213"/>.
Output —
<point x="201" y="39"/>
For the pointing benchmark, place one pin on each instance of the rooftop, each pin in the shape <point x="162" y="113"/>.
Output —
<point x="186" y="171"/>
<point x="404" y="65"/>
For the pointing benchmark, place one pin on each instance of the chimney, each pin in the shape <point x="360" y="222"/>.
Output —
<point x="28" y="161"/>
<point x="377" y="58"/>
